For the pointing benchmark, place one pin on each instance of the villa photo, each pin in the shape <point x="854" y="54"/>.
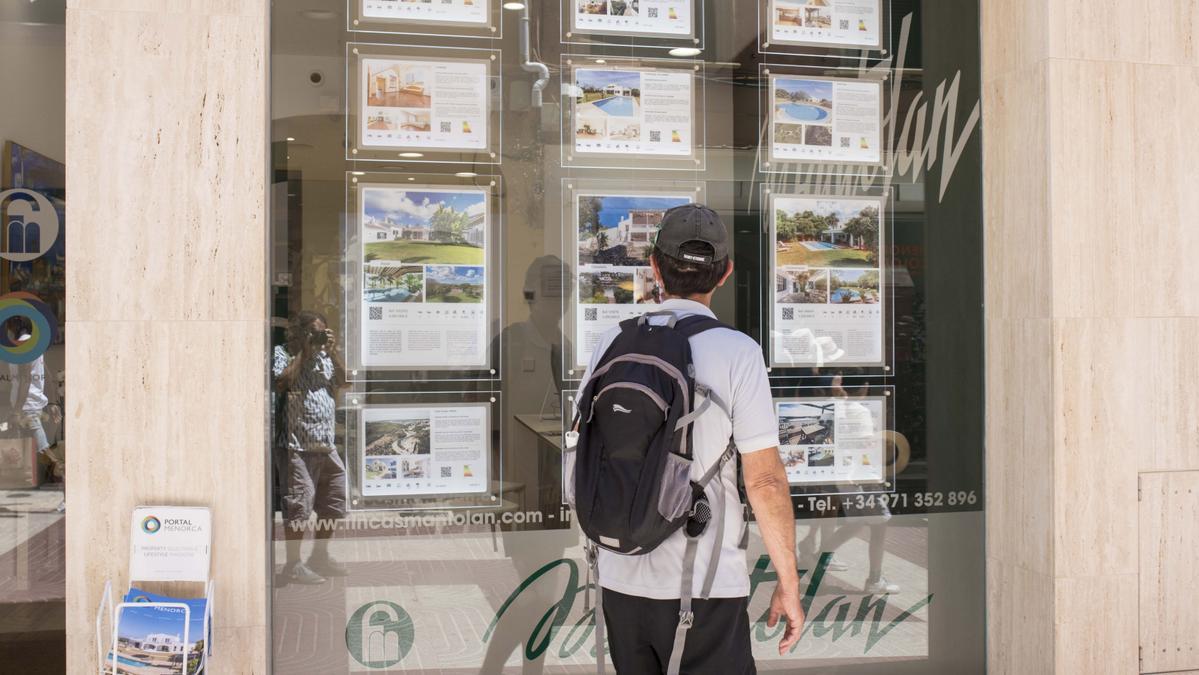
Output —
<point x="608" y="93"/>
<point x="390" y="282"/>
<point x="620" y="229"/>
<point x="803" y="101"/>
<point x="606" y="288"/>
<point x="381" y="468"/>
<point x="415" y="120"/>
<point x="399" y="437"/>
<point x="624" y="7"/>
<point x="397" y="84"/>
<point x="795" y="458"/>
<point x="593" y="7"/>
<point x="821" y="457"/>
<point x="414" y="468"/>
<point x="150" y="639"/>
<point x="802" y="286"/>
<point x="806" y="423"/>
<point x="648" y="290"/>
<point x="853" y="287"/>
<point x="591" y="128"/>
<point x="423" y="226"/>
<point x="825" y="232"/>
<point x="817" y="17"/>
<point x="454" y="284"/>
<point x="626" y="131"/>
<point x="795" y="12"/>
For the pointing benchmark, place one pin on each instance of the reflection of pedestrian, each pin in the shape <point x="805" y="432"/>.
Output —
<point x="308" y="374"/>
<point x="27" y="392"/>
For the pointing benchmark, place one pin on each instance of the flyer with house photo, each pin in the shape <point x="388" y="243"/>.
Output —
<point x="827" y="305"/>
<point x="831" y="440"/>
<point x="634" y="17"/>
<point x="151" y="639"/>
<point x="825" y="120"/>
<point x="830" y="23"/>
<point x="424" y="450"/>
<point x="423" y="253"/>
<point x="443" y="11"/>
<point x="633" y="112"/>
<point x="615" y="281"/>
<point x="417" y="104"/>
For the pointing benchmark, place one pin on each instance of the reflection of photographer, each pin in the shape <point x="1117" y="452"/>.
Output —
<point x="28" y="405"/>
<point x="308" y="374"/>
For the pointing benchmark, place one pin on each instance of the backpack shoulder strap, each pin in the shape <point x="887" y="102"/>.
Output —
<point x="697" y="323"/>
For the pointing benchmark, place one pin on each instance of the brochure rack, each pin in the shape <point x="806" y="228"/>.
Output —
<point x="181" y="556"/>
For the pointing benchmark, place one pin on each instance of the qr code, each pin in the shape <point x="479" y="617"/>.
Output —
<point x="446" y="127"/>
<point x="651" y="12"/>
<point x="447" y="472"/>
<point x="844" y="24"/>
<point x="590" y="314"/>
<point x="845" y="141"/>
<point x="655" y="136"/>
<point x="788" y="314"/>
<point x="376" y="313"/>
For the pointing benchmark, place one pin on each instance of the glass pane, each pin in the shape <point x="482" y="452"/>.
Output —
<point x="468" y="235"/>
<point x="32" y="316"/>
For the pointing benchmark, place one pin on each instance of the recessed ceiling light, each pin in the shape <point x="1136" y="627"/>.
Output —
<point x="319" y="14"/>
<point x="600" y="61"/>
<point x="466" y="174"/>
<point x="684" y="51"/>
<point x="411" y="155"/>
<point x="514" y="5"/>
<point x="358" y="173"/>
<point x="291" y="139"/>
<point x="411" y="178"/>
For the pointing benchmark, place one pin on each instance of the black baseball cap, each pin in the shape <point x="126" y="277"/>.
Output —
<point x="692" y="223"/>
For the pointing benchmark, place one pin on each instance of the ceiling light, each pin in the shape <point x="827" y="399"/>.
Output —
<point x="466" y="174"/>
<point x="600" y="61"/>
<point x="411" y="178"/>
<point x="291" y="139"/>
<point x="411" y="155"/>
<point x="514" y="5"/>
<point x="358" y="173"/>
<point x="684" y="51"/>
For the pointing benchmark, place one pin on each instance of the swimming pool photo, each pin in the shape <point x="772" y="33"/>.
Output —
<point x="803" y="112"/>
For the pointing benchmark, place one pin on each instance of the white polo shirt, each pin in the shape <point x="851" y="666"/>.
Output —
<point x="730" y="363"/>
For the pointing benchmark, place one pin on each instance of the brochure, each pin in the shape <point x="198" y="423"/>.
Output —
<point x="424" y="450"/>
<point x="425" y="295"/>
<point x="831" y="440"/>
<point x="150" y="639"/>
<point x="633" y="111"/>
<point x="634" y="17"/>
<point x="825" y="120"/>
<point x="422" y="11"/>
<point x="827" y="305"/>
<point x="615" y="234"/>
<point x="408" y="103"/>
<point x="831" y="23"/>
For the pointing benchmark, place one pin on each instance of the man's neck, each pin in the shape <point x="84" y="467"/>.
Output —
<point x="704" y="299"/>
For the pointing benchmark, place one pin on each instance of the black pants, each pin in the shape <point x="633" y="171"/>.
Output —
<point x="641" y="634"/>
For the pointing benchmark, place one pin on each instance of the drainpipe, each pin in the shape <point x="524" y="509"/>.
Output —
<point x="527" y="63"/>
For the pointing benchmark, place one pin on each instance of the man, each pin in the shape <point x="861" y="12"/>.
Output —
<point x="308" y="373"/>
<point x="641" y="592"/>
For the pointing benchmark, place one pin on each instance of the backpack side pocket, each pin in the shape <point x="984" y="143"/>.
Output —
<point x="674" y="496"/>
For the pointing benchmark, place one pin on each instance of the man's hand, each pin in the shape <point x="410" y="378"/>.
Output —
<point x="785" y="604"/>
<point x="330" y="341"/>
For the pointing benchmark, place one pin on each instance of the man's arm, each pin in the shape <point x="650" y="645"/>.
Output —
<point x="770" y="496"/>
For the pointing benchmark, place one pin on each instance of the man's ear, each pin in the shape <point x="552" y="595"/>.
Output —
<point x="727" y="273"/>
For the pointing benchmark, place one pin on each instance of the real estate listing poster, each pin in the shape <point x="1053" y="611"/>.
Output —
<point x="413" y="450"/>
<point x="634" y="17"/>
<point x="633" y="112"/>
<point x="616" y="233"/>
<point x="475" y="12"/>
<point x="424" y="253"/>
<point x="409" y="103"/>
<point x="831" y="440"/>
<point x="828" y="282"/>
<point x="150" y="638"/>
<point x="825" y="120"/>
<point x="831" y="23"/>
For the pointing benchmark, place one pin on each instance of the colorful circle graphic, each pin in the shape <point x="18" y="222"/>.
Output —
<point x="150" y="525"/>
<point x="41" y="319"/>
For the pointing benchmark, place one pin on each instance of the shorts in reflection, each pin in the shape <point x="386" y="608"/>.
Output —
<point x="316" y="481"/>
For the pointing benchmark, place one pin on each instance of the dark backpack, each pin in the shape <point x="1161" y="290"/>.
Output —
<point x="629" y="455"/>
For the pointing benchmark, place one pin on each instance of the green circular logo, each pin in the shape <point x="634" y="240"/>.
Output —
<point x="380" y="634"/>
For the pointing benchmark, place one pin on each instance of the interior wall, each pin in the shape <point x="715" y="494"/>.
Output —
<point x="1090" y="252"/>
<point x="165" y="152"/>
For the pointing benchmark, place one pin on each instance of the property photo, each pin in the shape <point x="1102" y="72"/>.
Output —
<point x="150" y="642"/>
<point x="381" y="468"/>
<point x="414" y="467"/>
<point x="795" y="458"/>
<point x="606" y="288"/>
<point x="424" y="226"/>
<point x="817" y="17"/>
<point x="454" y="284"/>
<point x="801" y="287"/>
<point x="397" y="84"/>
<point x="790" y="134"/>
<point x="390" y="282"/>
<point x="624" y="7"/>
<point x="803" y="101"/>
<point x="608" y="93"/>
<point x="818" y="457"/>
<point x="398" y="437"/>
<point x="825" y="233"/>
<point x="853" y="287"/>
<point x="620" y="230"/>
<point x="415" y="120"/>
<point x="648" y="290"/>
<point x="592" y="6"/>
<point x="819" y="136"/>
<point x="381" y="121"/>
<point x="806" y="423"/>
<point x="591" y="128"/>
<point x="795" y="12"/>
<point x="624" y="131"/>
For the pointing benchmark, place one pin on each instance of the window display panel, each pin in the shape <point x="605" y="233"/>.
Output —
<point x="426" y="103"/>
<point x="852" y="24"/>
<point x="621" y="108"/>
<point x="458" y="553"/>
<point x="665" y="18"/>
<point x="461" y="18"/>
